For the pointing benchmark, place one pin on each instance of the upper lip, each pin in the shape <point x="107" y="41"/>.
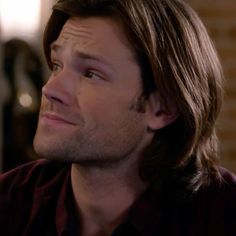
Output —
<point x="56" y="117"/>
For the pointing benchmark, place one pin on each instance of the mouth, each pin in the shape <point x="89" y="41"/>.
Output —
<point x="50" y="118"/>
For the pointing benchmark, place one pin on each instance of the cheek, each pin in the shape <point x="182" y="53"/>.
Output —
<point x="114" y="93"/>
<point x="98" y="108"/>
<point x="104" y="103"/>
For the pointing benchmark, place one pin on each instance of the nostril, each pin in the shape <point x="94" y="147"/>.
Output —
<point x="55" y="99"/>
<point x="52" y="95"/>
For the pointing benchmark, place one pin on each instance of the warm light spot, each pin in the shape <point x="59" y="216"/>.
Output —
<point x="19" y="18"/>
<point x="25" y="100"/>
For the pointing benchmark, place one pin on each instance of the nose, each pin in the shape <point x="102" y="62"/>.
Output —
<point x="58" y="89"/>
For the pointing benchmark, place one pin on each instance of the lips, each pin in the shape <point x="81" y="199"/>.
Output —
<point x="55" y="119"/>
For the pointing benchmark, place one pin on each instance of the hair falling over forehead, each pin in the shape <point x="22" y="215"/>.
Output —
<point x="179" y="62"/>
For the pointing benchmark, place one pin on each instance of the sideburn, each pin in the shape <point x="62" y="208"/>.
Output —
<point x="138" y="104"/>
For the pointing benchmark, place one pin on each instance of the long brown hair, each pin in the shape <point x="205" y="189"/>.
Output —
<point x="178" y="60"/>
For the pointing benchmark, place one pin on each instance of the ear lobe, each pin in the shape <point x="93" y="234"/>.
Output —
<point x="158" y="117"/>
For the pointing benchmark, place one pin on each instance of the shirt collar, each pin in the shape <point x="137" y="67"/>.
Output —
<point x="144" y="216"/>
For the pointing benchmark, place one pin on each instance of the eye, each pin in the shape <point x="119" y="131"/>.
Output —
<point x="55" y="67"/>
<point x="92" y="75"/>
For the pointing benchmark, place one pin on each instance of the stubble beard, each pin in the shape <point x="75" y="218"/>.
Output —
<point x="84" y="148"/>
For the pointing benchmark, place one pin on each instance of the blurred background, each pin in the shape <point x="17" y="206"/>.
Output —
<point x="23" y="72"/>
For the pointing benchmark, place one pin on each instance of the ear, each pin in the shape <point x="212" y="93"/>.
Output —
<point x="157" y="116"/>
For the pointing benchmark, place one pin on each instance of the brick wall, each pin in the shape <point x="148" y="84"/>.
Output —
<point x="219" y="17"/>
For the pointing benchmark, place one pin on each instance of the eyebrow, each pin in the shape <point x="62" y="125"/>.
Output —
<point x="54" y="47"/>
<point x="84" y="55"/>
<point x="97" y="58"/>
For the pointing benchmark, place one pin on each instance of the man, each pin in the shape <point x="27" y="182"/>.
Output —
<point x="127" y="122"/>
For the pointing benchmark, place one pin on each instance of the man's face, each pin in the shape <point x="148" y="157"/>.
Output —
<point x="88" y="111"/>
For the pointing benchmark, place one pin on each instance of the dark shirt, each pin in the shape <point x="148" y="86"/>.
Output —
<point x="36" y="199"/>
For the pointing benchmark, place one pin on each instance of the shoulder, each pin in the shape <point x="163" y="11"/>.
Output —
<point x="31" y="181"/>
<point x="226" y="185"/>
<point x="216" y="204"/>
<point x="227" y="191"/>
<point x="228" y="177"/>
<point x="36" y="173"/>
<point x="222" y="190"/>
<point x="29" y="193"/>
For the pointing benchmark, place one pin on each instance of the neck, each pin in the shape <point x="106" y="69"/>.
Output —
<point x="104" y="195"/>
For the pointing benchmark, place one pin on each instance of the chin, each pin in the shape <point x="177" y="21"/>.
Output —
<point x="43" y="148"/>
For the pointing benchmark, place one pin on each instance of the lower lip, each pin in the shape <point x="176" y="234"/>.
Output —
<point x="53" y="121"/>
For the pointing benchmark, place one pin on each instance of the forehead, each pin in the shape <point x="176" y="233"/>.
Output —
<point x="91" y="31"/>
